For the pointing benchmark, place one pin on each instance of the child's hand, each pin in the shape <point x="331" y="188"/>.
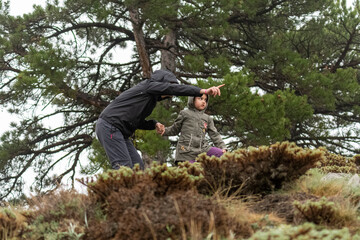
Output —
<point x="160" y="128"/>
<point x="224" y="150"/>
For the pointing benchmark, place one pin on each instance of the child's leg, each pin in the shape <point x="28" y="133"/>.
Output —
<point x="114" y="144"/>
<point x="214" y="151"/>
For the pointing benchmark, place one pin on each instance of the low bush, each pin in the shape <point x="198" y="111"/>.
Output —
<point x="256" y="170"/>
<point x="306" y="231"/>
<point x="158" y="203"/>
<point x="12" y="223"/>
<point x="324" y="212"/>
<point x="336" y="163"/>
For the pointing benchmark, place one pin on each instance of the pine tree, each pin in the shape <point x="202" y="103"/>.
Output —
<point x="290" y="69"/>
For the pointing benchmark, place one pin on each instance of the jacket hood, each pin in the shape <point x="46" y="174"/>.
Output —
<point x="191" y="103"/>
<point x="163" y="76"/>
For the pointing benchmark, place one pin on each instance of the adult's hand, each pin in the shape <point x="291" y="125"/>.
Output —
<point x="212" y="91"/>
<point x="160" y="128"/>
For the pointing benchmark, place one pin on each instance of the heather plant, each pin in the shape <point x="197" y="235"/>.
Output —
<point x="256" y="170"/>
<point x="57" y="215"/>
<point x="336" y="163"/>
<point x="160" y="176"/>
<point x="325" y="212"/>
<point x="158" y="203"/>
<point x="307" y="231"/>
<point x="12" y="223"/>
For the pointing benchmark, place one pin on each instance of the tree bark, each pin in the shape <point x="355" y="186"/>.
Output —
<point x="168" y="55"/>
<point x="140" y="42"/>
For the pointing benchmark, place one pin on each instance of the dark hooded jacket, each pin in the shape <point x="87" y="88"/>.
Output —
<point x="129" y="110"/>
<point x="193" y="124"/>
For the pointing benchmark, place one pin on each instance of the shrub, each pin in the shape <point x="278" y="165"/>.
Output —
<point x="256" y="170"/>
<point x="337" y="164"/>
<point x="58" y="215"/>
<point x="12" y="223"/>
<point x="306" y="231"/>
<point x="158" y="203"/>
<point x="324" y="212"/>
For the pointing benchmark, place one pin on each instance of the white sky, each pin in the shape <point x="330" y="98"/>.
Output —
<point x="19" y="7"/>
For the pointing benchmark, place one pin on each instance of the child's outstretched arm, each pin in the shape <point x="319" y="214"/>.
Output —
<point x="176" y="127"/>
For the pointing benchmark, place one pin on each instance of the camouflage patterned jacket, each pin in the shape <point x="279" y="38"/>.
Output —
<point x="193" y="125"/>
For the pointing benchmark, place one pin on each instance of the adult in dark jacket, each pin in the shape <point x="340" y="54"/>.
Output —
<point x="119" y="120"/>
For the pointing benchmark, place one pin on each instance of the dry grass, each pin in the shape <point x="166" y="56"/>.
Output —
<point x="345" y="197"/>
<point x="239" y="208"/>
<point x="12" y="223"/>
<point x="312" y="183"/>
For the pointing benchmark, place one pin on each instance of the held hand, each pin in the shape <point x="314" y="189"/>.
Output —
<point x="213" y="91"/>
<point x="162" y="131"/>
<point x="160" y="128"/>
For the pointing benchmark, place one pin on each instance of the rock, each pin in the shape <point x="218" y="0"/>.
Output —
<point x="352" y="180"/>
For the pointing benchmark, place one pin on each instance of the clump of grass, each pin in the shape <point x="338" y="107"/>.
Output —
<point x="313" y="183"/>
<point x="339" y="200"/>
<point x="306" y="231"/>
<point x="12" y="223"/>
<point x="325" y="212"/>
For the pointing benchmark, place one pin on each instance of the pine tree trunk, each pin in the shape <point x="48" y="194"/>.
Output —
<point x="168" y="55"/>
<point x="140" y="43"/>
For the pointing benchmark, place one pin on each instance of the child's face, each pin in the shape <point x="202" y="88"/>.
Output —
<point x="200" y="102"/>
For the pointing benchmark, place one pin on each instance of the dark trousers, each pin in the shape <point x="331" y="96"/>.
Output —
<point x="119" y="150"/>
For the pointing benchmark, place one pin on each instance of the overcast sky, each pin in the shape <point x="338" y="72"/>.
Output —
<point x="19" y="7"/>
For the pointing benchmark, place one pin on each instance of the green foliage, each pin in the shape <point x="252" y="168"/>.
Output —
<point x="256" y="170"/>
<point x="258" y="118"/>
<point x="165" y="179"/>
<point x="305" y="231"/>
<point x="323" y="212"/>
<point x="58" y="215"/>
<point x="194" y="63"/>
<point x="151" y="143"/>
<point x="337" y="163"/>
